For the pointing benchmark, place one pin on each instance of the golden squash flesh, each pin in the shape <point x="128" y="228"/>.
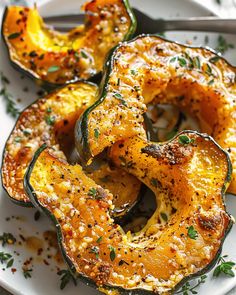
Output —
<point x="161" y="255"/>
<point x="51" y="120"/>
<point x="57" y="58"/>
<point x="151" y="69"/>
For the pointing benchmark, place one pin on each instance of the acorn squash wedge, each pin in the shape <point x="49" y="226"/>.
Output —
<point x="163" y="254"/>
<point x="56" y="58"/>
<point x="152" y="69"/>
<point x="51" y="120"/>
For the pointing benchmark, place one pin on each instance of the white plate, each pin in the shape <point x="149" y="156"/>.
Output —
<point x="44" y="278"/>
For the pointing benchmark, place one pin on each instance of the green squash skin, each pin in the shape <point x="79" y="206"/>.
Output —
<point x="81" y="129"/>
<point x="51" y="86"/>
<point x="18" y="202"/>
<point x="33" y="197"/>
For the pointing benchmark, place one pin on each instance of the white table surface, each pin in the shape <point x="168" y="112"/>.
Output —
<point x="226" y="9"/>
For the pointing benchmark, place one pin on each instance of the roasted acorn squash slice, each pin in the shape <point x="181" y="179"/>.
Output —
<point x="56" y="58"/>
<point x="148" y="69"/>
<point x="51" y="120"/>
<point x="189" y="181"/>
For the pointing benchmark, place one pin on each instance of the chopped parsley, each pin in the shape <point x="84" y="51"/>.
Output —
<point x="133" y="72"/>
<point x="118" y="96"/>
<point x="27" y="273"/>
<point x="17" y="139"/>
<point x="92" y="192"/>
<point x="112" y="253"/>
<point x="10" y="104"/>
<point x="7" y="238"/>
<point x="14" y="35"/>
<point x="6" y="258"/>
<point x="84" y="54"/>
<point x="223" y="45"/>
<point x="50" y="120"/>
<point x="214" y="59"/>
<point x="224" y="267"/>
<point x="192" y="233"/>
<point x="164" y="216"/>
<point x="95" y="250"/>
<point x="96" y="133"/>
<point x="184" y="139"/>
<point x="99" y="240"/>
<point x="66" y="277"/>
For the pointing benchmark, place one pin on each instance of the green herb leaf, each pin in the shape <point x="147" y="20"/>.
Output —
<point x="7" y="238"/>
<point x="17" y="139"/>
<point x="188" y="289"/>
<point x="154" y="182"/>
<point x="53" y="69"/>
<point x="10" y="104"/>
<point x="211" y="82"/>
<point x="184" y="139"/>
<point x="133" y="72"/>
<point x="84" y="54"/>
<point x="95" y="250"/>
<point x="208" y="70"/>
<point x="96" y="133"/>
<point x="27" y="131"/>
<point x="222" y="45"/>
<point x="224" y="267"/>
<point x="14" y="35"/>
<point x="99" y="240"/>
<point x="27" y="273"/>
<point x="66" y="277"/>
<point x="5" y="257"/>
<point x="192" y="233"/>
<point x="164" y="216"/>
<point x="92" y="192"/>
<point x="118" y="96"/>
<point x="214" y="59"/>
<point x="196" y="62"/>
<point x="112" y="253"/>
<point x="10" y="263"/>
<point x="182" y="61"/>
<point x="50" y="120"/>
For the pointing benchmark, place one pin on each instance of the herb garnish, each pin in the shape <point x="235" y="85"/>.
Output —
<point x="133" y="72"/>
<point x="154" y="182"/>
<point x="222" y="45"/>
<point x="95" y="250"/>
<point x="184" y="139"/>
<point x="27" y="272"/>
<point x="96" y="133"/>
<point x="84" y="54"/>
<point x="187" y="289"/>
<point x="192" y="233"/>
<point x="118" y="96"/>
<point x="164" y="216"/>
<point x="99" y="240"/>
<point x="214" y="59"/>
<point x="14" y="35"/>
<point x="7" y="238"/>
<point x="50" y="120"/>
<point x="224" y="267"/>
<point x="67" y="276"/>
<point x="112" y="253"/>
<point x="92" y="192"/>
<point x="53" y="69"/>
<point x="6" y="258"/>
<point x="11" y="108"/>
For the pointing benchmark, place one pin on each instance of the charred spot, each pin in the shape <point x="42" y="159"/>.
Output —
<point x="102" y="273"/>
<point x="171" y="154"/>
<point x="209" y="222"/>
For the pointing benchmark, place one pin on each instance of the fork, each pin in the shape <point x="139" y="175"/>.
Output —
<point x="148" y="25"/>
